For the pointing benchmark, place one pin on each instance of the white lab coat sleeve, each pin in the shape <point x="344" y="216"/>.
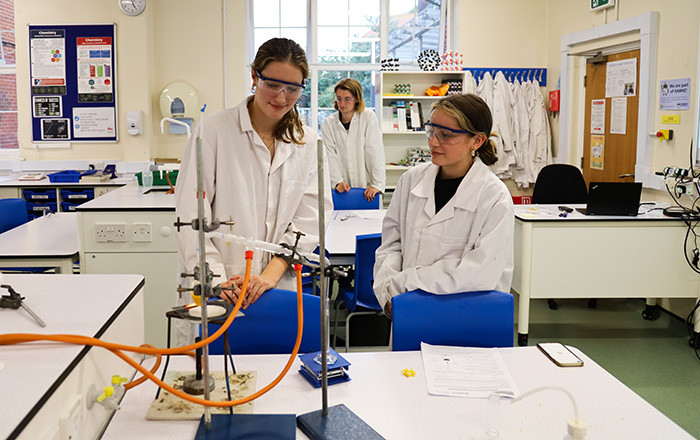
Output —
<point x="305" y="217"/>
<point x="389" y="260"/>
<point x="374" y="154"/>
<point x="186" y="202"/>
<point x="480" y="268"/>
<point x="334" y="165"/>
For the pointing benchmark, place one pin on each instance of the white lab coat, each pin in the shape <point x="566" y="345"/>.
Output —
<point x="503" y="126"/>
<point x="355" y="156"/>
<point x="267" y="200"/>
<point x="540" y="134"/>
<point x="467" y="246"/>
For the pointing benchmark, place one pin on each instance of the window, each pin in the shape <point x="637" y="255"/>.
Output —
<point x="8" y="81"/>
<point x="344" y="39"/>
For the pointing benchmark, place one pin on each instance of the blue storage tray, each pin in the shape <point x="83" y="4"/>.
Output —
<point x="77" y="194"/>
<point x="69" y="206"/>
<point x="65" y="176"/>
<point x="39" y="195"/>
<point x="42" y="206"/>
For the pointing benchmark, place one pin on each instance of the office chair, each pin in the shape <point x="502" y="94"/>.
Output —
<point x="270" y="326"/>
<point x="353" y="199"/>
<point x="14" y="213"/>
<point x="360" y="293"/>
<point x="558" y="184"/>
<point x="468" y="319"/>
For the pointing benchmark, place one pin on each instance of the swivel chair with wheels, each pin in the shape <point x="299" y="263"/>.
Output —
<point x="557" y="184"/>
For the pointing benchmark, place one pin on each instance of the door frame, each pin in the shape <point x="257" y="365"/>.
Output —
<point x="647" y="24"/>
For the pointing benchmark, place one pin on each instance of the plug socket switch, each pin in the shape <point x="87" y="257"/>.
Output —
<point x="664" y="135"/>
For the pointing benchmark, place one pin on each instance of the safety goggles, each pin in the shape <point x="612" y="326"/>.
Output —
<point x="346" y="100"/>
<point x="445" y="135"/>
<point x="275" y="86"/>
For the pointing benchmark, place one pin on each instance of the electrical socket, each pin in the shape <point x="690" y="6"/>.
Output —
<point x="142" y="232"/>
<point x="684" y="188"/>
<point x="110" y="232"/>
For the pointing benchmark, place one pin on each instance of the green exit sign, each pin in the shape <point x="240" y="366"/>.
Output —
<point x="601" y="4"/>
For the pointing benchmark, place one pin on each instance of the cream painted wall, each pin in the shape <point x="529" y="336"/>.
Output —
<point x="170" y="41"/>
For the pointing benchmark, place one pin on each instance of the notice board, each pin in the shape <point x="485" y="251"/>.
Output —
<point x="73" y="82"/>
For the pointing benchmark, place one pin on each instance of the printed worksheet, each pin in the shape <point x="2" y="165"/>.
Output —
<point x="466" y="372"/>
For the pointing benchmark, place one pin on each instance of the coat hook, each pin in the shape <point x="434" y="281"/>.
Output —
<point x="541" y="71"/>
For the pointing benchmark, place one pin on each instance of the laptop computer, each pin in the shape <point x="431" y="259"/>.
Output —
<point x="613" y="198"/>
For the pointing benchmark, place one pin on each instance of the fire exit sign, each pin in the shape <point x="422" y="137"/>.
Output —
<point x="601" y="4"/>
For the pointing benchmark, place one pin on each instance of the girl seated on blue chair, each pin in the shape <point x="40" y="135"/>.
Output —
<point x="449" y="226"/>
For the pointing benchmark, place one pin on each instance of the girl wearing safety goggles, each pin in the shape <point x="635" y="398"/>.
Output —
<point x="449" y="227"/>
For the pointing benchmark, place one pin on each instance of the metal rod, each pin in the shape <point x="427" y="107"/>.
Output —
<point x="323" y="291"/>
<point x="204" y="276"/>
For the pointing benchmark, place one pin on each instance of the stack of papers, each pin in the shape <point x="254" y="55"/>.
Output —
<point x="466" y="372"/>
<point x="33" y="177"/>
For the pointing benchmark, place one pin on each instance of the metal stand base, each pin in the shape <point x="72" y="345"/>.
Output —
<point x="248" y="426"/>
<point x="339" y="423"/>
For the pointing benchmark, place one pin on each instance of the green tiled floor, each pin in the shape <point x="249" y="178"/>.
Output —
<point x="653" y="358"/>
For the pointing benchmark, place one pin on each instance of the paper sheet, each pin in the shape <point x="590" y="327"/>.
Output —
<point x="466" y="372"/>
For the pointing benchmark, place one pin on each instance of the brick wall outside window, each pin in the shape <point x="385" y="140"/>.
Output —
<point x="8" y="82"/>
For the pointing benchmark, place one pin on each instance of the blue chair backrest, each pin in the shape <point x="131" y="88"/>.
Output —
<point x="353" y="199"/>
<point x="365" y="250"/>
<point x="468" y="319"/>
<point x="270" y="326"/>
<point x="13" y="212"/>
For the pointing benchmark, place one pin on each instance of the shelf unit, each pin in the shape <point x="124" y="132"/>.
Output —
<point x="56" y="197"/>
<point x="397" y="144"/>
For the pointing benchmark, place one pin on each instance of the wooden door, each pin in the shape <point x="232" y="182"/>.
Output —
<point x="619" y="151"/>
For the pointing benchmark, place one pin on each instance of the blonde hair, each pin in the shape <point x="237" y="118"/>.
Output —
<point x="355" y="88"/>
<point x="289" y="128"/>
<point x="472" y="114"/>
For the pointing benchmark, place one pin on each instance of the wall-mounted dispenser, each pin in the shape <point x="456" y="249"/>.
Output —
<point x="179" y="101"/>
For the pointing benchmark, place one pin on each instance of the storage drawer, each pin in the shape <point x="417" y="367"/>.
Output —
<point x="77" y="194"/>
<point x="39" y="195"/>
<point x="40" y="207"/>
<point x="69" y="206"/>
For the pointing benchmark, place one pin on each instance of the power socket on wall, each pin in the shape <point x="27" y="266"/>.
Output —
<point x="142" y="232"/>
<point x="110" y="232"/>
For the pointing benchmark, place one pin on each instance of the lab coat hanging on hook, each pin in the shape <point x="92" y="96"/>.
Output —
<point x="179" y="104"/>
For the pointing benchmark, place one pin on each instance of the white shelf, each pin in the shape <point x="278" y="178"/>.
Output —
<point x="411" y="97"/>
<point x="397" y="168"/>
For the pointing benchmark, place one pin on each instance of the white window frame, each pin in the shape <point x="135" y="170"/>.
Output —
<point x="449" y="9"/>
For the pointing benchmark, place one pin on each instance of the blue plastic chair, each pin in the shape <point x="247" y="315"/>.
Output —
<point x="468" y="319"/>
<point x="13" y="212"/>
<point x="353" y="199"/>
<point x="361" y="293"/>
<point x="270" y="326"/>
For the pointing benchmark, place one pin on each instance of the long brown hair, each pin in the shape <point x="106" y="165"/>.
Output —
<point x="355" y="88"/>
<point x="472" y="114"/>
<point x="289" y="128"/>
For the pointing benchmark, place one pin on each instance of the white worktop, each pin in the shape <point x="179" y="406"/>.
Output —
<point x="132" y="197"/>
<point x="12" y="180"/>
<point x="527" y="213"/>
<point x="69" y="304"/>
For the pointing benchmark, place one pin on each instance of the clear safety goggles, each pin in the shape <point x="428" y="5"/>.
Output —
<point x="346" y="100"/>
<point x="276" y="86"/>
<point x="445" y="135"/>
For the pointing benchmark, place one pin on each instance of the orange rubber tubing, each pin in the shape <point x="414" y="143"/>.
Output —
<point x="16" y="338"/>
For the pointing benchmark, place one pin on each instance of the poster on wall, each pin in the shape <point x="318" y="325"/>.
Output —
<point x="597" y="152"/>
<point x="93" y="122"/>
<point x="621" y="78"/>
<point x="598" y="116"/>
<point x="95" y="69"/>
<point x="618" y="116"/>
<point x="73" y="82"/>
<point x="674" y="94"/>
<point x="48" y="65"/>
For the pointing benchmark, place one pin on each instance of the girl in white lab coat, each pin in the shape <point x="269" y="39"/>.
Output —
<point x="449" y="227"/>
<point x="260" y="171"/>
<point x="354" y="143"/>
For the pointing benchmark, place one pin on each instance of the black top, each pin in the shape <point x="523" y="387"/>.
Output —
<point x="347" y="126"/>
<point x="444" y="190"/>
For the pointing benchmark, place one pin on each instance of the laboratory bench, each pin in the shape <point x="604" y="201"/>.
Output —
<point x="46" y="196"/>
<point x="130" y="230"/>
<point x="49" y="389"/>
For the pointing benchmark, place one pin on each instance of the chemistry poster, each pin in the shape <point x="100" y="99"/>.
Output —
<point x="95" y="69"/>
<point x="597" y="152"/>
<point x="93" y="122"/>
<point x="621" y="78"/>
<point x="48" y="65"/>
<point x="674" y="94"/>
